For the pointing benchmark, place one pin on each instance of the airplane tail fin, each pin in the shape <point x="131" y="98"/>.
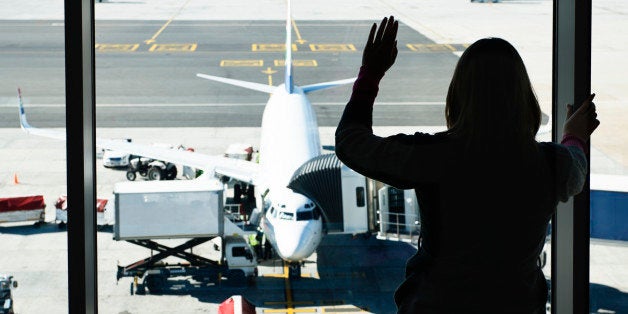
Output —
<point x="23" y="122"/>
<point x="31" y="130"/>
<point x="289" y="83"/>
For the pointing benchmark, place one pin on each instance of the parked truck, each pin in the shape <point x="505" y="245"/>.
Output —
<point x="188" y="209"/>
<point x="7" y="284"/>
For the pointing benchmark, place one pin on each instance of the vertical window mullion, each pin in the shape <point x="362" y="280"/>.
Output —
<point x="81" y="167"/>
<point x="570" y="225"/>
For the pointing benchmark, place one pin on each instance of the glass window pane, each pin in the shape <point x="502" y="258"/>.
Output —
<point x="33" y="238"/>
<point x="148" y="56"/>
<point x="609" y="163"/>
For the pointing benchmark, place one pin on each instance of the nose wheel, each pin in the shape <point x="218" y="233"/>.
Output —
<point x="294" y="270"/>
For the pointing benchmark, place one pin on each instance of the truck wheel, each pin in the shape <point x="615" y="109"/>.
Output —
<point x="171" y="172"/>
<point x="236" y="278"/>
<point x="155" y="283"/>
<point x="154" y="173"/>
<point x="130" y="175"/>
<point x="141" y="289"/>
<point x="294" y="271"/>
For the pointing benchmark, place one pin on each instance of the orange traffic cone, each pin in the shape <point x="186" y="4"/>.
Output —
<point x="15" y="180"/>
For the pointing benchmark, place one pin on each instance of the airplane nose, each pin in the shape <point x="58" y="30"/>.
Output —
<point x="289" y="243"/>
<point x="288" y="247"/>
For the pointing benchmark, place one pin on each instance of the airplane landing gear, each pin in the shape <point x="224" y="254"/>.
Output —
<point x="294" y="270"/>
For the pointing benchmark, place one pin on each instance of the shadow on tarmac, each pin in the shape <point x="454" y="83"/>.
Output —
<point x="605" y="299"/>
<point x="43" y="228"/>
<point x="32" y="228"/>
<point x="358" y="271"/>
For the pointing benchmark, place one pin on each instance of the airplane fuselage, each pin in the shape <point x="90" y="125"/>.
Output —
<point x="289" y="139"/>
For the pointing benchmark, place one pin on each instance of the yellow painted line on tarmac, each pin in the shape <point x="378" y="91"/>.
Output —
<point x="296" y="31"/>
<point x="289" y="303"/>
<point x="116" y="47"/>
<point x="271" y="47"/>
<point x="152" y="39"/>
<point x="332" y="47"/>
<point x="450" y="47"/>
<point x="430" y="47"/>
<point x="173" y="47"/>
<point x="297" y="63"/>
<point x="269" y="71"/>
<point x="241" y="63"/>
<point x="427" y="48"/>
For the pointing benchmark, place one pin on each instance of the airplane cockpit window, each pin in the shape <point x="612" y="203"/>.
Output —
<point x="286" y="216"/>
<point x="316" y="213"/>
<point x="305" y="215"/>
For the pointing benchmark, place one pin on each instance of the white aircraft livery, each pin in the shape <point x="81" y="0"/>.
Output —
<point x="292" y="222"/>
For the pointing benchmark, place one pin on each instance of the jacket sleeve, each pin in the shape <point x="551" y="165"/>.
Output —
<point x="400" y="160"/>
<point x="570" y="164"/>
<point x="575" y="172"/>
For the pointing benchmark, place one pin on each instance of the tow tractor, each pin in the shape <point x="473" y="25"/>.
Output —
<point x="151" y="168"/>
<point x="6" y="301"/>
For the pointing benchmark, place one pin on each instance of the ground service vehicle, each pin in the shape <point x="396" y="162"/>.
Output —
<point x="6" y="301"/>
<point x="112" y="159"/>
<point x="23" y="208"/>
<point x="104" y="211"/>
<point x="151" y="168"/>
<point x="148" y="211"/>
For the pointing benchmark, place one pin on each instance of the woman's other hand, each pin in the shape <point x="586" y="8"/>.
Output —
<point x="583" y="121"/>
<point x="381" y="49"/>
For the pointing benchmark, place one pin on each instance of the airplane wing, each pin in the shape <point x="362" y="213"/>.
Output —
<point x="241" y="170"/>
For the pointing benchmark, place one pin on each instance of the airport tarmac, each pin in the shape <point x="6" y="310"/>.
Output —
<point x="37" y="257"/>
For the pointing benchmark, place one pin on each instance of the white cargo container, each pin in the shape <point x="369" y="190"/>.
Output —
<point x="168" y="209"/>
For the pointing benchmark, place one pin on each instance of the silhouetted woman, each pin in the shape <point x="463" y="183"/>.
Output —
<point x="486" y="188"/>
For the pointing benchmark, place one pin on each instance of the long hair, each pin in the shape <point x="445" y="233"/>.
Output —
<point x="490" y="102"/>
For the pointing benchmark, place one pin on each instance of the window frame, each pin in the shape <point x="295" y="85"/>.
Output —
<point x="570" y="227"/>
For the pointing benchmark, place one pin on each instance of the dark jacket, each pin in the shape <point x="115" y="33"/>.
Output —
<point x="484" y="214"/>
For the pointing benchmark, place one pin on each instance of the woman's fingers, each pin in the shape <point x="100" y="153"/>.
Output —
<point x="391" y="30"/>
<point x="380" y="31"/>
<point x="371" y="35"/>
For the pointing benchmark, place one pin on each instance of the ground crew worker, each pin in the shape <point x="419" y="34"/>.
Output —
<point x="255" y="244"/>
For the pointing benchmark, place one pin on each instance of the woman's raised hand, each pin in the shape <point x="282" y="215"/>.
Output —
<point x="583" y="121"/>
<point x="381" y="48"/>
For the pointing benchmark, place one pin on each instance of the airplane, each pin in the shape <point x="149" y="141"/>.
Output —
<point x="292" y="221"/>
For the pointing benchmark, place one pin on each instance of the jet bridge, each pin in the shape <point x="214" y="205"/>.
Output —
<point x="338" y="191"/>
